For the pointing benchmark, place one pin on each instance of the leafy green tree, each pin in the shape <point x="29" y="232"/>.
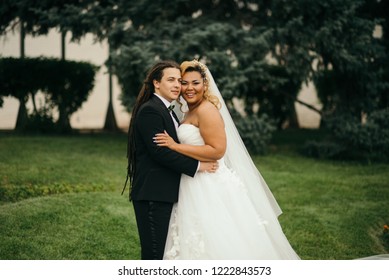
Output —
<point x="78" y="16"/>
<point x="305" y="38"/>
<point x="258" y="50"/>
<point x="31" y="18"/>
<point x="353" y="87"/>
<point x="208" y="30"/>
<point x="316" y="38"/>
<point x="380" y="10"/>
<point x="105" y="19"/>
<point x="66" y="88"/>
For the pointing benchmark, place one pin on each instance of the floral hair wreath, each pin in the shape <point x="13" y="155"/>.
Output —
<point x="201" y="65"/>
<point x="194" y="63"/>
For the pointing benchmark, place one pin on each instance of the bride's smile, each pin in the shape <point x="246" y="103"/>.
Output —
<point x="192" y="88"/>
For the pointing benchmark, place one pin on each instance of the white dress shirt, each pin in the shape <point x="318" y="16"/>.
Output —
<point x="167" y="104"/>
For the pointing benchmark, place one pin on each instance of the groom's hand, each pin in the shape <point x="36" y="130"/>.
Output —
<point x="208" y="166"/>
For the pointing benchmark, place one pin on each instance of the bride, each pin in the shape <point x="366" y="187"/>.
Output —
<point x="229" y="214"/>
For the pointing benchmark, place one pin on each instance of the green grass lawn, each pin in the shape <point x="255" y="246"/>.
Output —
<point x="60" y="199"/>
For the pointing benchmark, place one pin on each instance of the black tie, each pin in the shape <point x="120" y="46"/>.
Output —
<point x="175" y="116"/>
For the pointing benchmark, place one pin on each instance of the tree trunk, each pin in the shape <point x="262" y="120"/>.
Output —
<point x="22" y="118"/>
<point x="63" y="122"/>
<point x="293" y="120"/>
<point x="110" y="119"/>
<point x="22" y="38"/>
<point x="63" y="45"/>
<point x="33" y="102"/>
<point x="320" y="112"/>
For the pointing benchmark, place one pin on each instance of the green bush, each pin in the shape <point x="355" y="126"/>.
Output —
<point x="41" y="121"/>
<point x="323" y="149"/>
<point x="68" y="87"/>
<point x="65" y="84"/>
<point x="370" y="137"/>
<point x="16" y="193"/>
<point x="350" y="138"/>
<point x="256" y="132"/>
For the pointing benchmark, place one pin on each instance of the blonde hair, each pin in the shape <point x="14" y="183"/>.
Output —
<point x="197" y="66"/>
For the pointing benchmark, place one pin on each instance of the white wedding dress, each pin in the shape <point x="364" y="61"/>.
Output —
<point x="215" y="218"/>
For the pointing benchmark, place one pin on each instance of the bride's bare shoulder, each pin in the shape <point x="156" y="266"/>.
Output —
<point x="208" y="110"/>
<point x="208" y="106"/>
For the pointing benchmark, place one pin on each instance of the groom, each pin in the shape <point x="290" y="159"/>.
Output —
<point x="154" y="171"/>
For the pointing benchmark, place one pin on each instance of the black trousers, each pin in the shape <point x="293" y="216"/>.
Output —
<point x="152" y="218"/>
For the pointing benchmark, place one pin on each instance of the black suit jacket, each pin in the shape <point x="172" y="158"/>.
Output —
<point x="158" y="169"/>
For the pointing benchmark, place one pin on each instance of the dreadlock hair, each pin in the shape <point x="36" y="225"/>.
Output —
<point x="146" y="92"/>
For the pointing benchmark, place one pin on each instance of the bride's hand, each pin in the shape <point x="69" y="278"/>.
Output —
<point x="164" y="140"/>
